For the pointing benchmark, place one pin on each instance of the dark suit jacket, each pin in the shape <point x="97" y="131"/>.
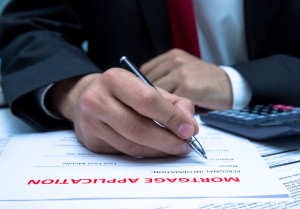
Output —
<point x="40" y="43"/>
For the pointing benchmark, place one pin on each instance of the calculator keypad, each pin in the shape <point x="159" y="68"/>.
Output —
<point x="259" y="122"/>
<point x="259" y="114"/>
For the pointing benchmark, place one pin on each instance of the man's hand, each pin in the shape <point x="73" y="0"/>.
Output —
<point x="113" y="112"/>
<point x="185" y="75"/>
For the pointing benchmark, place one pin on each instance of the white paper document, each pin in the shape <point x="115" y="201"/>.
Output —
<point x="283" y="158"/>
<point x="55" y="166"/>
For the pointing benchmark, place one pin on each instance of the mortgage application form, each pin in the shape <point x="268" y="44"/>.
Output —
<point x="56" y="166"/>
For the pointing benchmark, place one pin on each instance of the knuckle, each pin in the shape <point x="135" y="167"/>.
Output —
<point x="136" y="132"/>
<point x="143" y="67"/>
<point x="147" y="98"/>
<point x="94" y="144"/>
<point x="85" y="125"/>
<point x="133" y="150"/>
<point x="183" y="72"/>
<point x="111" y="75"/>
<point x="176" y="56"/>
<point x="87" y="100"/>
<point x="186" y="86"/>
<point x="174" y="117"/>
<point x="90" y="103"/>
<point x="112" y="72"/>
<point x="176" y="51"/>
<point x="190" y="104"/>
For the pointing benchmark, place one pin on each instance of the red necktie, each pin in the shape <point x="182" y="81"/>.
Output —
<point x="183" y="26"/>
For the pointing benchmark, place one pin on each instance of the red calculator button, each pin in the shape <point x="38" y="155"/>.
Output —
<point x="283" y="107"/>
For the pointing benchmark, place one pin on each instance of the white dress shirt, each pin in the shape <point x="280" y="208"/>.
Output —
<point x="221" y="35"/>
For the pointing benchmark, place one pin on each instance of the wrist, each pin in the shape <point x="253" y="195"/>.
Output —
<point x="241" y="91"/>
<point x="63" y="97"/>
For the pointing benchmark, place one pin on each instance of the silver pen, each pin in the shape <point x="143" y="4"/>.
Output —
<point x="193" y="142"/>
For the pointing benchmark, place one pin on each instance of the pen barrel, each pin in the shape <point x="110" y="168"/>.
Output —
<point x="127" y="64"/>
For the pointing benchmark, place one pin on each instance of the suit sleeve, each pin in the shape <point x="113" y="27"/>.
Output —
<point x="272" y="34"/>
<point x="40" y="44"/>
<point x="273" y="79"/>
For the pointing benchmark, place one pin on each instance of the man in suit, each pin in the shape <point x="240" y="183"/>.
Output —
<point x="40" y="43"/>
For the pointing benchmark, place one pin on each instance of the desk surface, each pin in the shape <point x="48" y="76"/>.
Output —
<point x="11" y="124"/>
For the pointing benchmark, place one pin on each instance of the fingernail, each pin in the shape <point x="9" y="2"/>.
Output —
<point x="186" y="130"/>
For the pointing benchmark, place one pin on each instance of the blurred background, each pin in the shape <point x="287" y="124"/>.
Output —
<point x="2" y="99"/>
<point x="2" y="4"/>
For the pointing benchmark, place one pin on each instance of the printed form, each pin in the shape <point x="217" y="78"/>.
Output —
<point x="55" y="166"/>
<point x="283" y="158"/>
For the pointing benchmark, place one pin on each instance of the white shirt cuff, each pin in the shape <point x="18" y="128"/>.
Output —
<point x="241" y="90"/>
<point x="40" y="95"/>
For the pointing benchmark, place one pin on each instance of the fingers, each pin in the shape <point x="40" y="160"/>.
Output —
<point x="183" y="104"/>
<point x="120" y="127"/>
<point x="148" y="66"/>
<point x="164" y="64"/>
<point x="160" y="69"/>
<point x="168" y="82"/>
<point x="148" y="102"/>
<point x="135" y="134"/>
<point x="93" y="143"/>
<point x="108" y="141"/>
<point x="180" y="73"/>
<point x="113" y="113"/>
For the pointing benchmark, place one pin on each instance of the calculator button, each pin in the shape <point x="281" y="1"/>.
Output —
<point x="284" y="114"/>
<point x="216" y="113"/>
<point x="261" y="117"/>
<point x="273" y="115"/>
<point x="259" y="106"/>
<point x="283" y="107"/>
<point x="249" y="118"/>
<point x="274" y="111"/>
<point x="238" y="116"/>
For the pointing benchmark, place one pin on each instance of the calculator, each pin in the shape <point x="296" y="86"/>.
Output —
<point x="258" y="122"/>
